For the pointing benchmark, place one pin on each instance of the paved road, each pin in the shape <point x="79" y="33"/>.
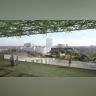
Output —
<point x="53" y="61"/>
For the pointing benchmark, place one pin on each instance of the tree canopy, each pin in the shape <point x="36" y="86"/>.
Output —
<point x="10" y="28"/>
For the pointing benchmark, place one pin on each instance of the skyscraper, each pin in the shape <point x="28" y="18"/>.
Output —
<point x="49" y="43"/>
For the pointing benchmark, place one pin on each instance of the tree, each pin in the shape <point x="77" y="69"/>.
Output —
<point x="84" y="57"/>
<point x="10" y="28"/>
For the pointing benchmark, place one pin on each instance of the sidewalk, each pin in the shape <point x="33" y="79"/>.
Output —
<point x="53" y="61"/>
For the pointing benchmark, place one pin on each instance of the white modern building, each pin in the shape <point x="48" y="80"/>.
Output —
<point x="39" y="49"/>
<point x="49" y="43"/>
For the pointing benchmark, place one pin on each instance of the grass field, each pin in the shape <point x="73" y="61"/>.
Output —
<point x="26" y="69"/>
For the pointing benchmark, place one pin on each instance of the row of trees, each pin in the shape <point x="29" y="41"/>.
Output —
<point x="27" y="27"/>
<point x="75" y="55"/>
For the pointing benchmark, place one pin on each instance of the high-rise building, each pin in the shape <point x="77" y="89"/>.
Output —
<point x="66" y="45"/>
<point x="49" y="43"/>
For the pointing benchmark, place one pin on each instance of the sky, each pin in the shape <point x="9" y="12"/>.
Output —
<point x="74" y="38"/>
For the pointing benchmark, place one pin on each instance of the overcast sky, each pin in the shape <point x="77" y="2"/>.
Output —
<point x="76" y="38"/>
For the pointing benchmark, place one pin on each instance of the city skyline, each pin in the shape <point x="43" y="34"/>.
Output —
<point x="76" y="38"/>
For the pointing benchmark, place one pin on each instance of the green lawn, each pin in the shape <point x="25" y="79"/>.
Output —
<point x="25" y="69"/>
